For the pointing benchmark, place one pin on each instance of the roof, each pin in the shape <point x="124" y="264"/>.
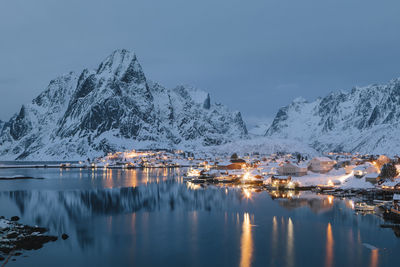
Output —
<point x="372" y="175"/>
<point x="360" y="168"/>
<point x="396" y="197"/>
<point x="280" y="177"/>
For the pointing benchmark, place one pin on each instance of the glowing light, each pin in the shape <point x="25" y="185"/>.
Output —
<point x="247" y="193"/>
<point x="330" y="200"/>
<point x="329" y="246"/>
<point x="246" y="176"/>
<point x="193" y="186"/>
<point x="290" y="243"/>
<point x="290" y="185"/>
<point x="330" y="183"/>
<point x="193" y="173"/>
<point x="246" y="247"/>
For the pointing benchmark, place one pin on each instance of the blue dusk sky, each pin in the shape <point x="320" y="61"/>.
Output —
<point x="254" y="56"/>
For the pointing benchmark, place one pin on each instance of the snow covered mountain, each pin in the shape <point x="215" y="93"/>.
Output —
<point x="363" y="120"/>
<point x="114" y="108"/>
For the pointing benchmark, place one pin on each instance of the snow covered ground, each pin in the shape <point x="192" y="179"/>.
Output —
<point x="344" y="181"/>
<point x="263" y="145"/>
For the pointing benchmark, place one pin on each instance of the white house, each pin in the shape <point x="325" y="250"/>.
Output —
<point x="321" y="164"/>
<point x="292" y="169"/>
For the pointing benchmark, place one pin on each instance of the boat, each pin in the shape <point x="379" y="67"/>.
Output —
<point x="227" y="179"/>
<point x="361" y="206"/>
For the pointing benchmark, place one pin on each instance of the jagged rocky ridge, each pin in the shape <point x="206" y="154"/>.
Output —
<point x="114" y="108"/>
<point x="365" y="120"/>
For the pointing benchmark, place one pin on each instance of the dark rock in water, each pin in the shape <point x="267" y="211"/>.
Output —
<point x="12" y="235"/>
<point x="15" y="236"/>
<point x="13" y="259"/>
<point x="1" y="258"/>
<point x="64" y="236"/>
<point x="14" y="218"/>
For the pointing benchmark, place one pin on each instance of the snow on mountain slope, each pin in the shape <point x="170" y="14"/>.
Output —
<point x="114" y="108"/>
<point x="264" y="145"/>
<point x="365" y="120"/>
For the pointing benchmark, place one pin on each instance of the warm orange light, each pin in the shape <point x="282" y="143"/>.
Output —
<point x="329" y="246"/>
<point x="246" y="247"/>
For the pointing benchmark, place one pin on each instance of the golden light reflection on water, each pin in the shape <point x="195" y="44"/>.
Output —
<point x="132" y="178"/>
<point x="374" y="258"/>
<point x="246" y="247"/>
<point x="247" y="193"/>
<point x="330" y="199"/>
<point x="290" y="243"/>
<point x="274" y="241"/>
<point x="329" y="246"/>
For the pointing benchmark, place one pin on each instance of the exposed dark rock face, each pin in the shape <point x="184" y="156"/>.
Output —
<point x="114" y="108"/>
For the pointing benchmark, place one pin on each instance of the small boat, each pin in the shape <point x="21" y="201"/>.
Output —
<point x="227" y="179"/>
<point x="361" y="206"/>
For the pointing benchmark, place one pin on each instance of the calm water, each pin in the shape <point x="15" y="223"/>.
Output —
<point x="148" y="218"/>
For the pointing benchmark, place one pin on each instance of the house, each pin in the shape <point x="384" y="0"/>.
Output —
<point x="364" y="169"/>
<point x="372" y="177"/>
<point x="321" y="164"/>
<point x="292" y="169"/>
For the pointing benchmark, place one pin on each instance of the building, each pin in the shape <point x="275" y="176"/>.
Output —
<point x="321" y="164"/>
<point x="292" y="169"/>
<point x="372" y="177"/>
<point x="364" y="169"/>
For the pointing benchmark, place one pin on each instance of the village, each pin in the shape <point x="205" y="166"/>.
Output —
<point x="372" y="180"/>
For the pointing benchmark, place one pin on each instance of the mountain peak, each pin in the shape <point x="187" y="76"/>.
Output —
<point x="123" y="64"/>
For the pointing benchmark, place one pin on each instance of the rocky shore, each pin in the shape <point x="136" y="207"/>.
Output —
<point x="16" y="237"/>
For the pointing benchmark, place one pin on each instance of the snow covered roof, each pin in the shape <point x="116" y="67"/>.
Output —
<point x="372" y="175"/>
<point x="396" y="197"/>
<point x="360" y="168"/>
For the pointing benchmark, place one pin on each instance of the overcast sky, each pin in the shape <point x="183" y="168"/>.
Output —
<point x="252" y="55"/>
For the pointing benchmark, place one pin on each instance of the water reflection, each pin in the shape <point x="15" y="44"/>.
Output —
<point x="374" y="258"/>
<point x="274" y="240"/>
<point x="137" y="214"/>
<point x="329" y="246"/>
<point x="246" y="247"/>
<point x="60" y="209"/>
<point x="290" y="243"/>
<point x="293" y="200"/>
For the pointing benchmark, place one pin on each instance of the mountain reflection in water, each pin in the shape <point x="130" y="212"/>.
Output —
<point x="152" y="217"/>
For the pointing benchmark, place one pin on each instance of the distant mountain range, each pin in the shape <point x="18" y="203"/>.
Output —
<point x="365" y="120"/>
<point x="114" y="108"/>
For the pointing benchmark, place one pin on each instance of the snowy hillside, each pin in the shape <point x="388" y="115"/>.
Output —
<point x="264" y="145"/>
<point x="364" y="120"/>
<point x="114" y="108"/>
